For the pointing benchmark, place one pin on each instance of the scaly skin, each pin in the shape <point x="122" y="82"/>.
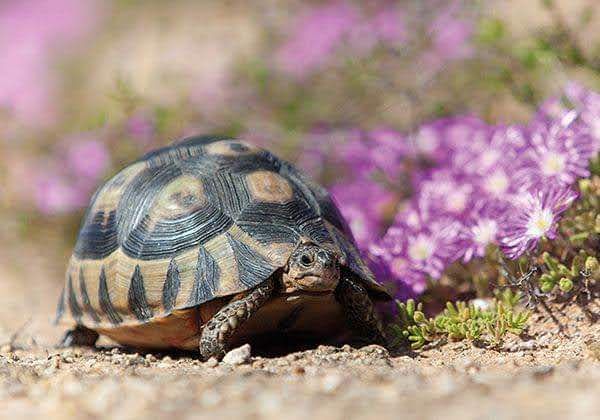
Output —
<point x="360" y="312"/>
<point x="358" y="308"/>
<point x="214" y="341"/>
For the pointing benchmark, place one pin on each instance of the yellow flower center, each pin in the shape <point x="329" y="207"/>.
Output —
<point x="420" y="249"/>
<point x="553" y="164"/>
<point x="540" y="223"/>
<point x="497" y="183"/>
<point x="485" y="232"/>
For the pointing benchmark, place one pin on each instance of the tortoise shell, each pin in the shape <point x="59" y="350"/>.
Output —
<point x="188" y="224"/>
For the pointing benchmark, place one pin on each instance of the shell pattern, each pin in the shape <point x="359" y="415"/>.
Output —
<point x="204" y="218"/>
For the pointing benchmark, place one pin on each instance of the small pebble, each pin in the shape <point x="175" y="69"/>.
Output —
<point x="331" y="382"/>
<point x="541" y="372"/>
<point x="238" y="356"/>
<point x="212" y="362"/>
<point x="299" y="370"/>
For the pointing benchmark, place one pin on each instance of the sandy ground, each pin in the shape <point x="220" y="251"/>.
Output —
<point x="541" y="375"/>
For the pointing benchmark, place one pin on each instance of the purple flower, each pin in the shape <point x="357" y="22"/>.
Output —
<point x="56" y="192"/>
<point x="317" y="150"/>
<point x="87" y="157"/>
<point x="388" y="150"/>
<point x="389" y="25"/>
<point x="534" y="216"/>
<point x="363" y="204"/>
<point x="481" y="234"/>
<point x="378" y="150"/>
<point x="407" y="283"/>
<point x="445" y="194"/>
<point x="53" y="195"/>
<point x="441" y="139"/>
<point x="482" y="228"/>
<point x="141" y="127"/>
<point x="450" y="38"/>
<point x="386" y="26"/>
<point x="386" y="258"/>
<point x="29" y="32"/>
<point x="587" y="104"/>
<point x="428" y="249"/>
<point x="315" y="37"/>
<point x="435" y="247"/>
<point x="574" y="97"/>
<point x="560" y="152"/>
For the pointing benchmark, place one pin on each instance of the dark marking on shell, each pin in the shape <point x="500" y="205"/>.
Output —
<point x="316" y="230"/>
<point x="228" y="192"/>
<point x="319" y="197"/>
<point x="73" y="304"/>
<point x="137" y="200"/>
<point x="253" y="269"/>
<point x="166" y="238"/>
<point x="282" y="223"/>
<point x="206" y="281"/>
<point x="104" y="299"/>
<point x="98" y="236"/>
<point x="238" y="164"/>
<point x="138" y="304"/>
<point x="85" y="298"/>
<point x="171" y="286"/>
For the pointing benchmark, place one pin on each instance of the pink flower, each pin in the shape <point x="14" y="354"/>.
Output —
<point x="560" y="152"/>
<point x="29" y="32"/>
<point x="534" y="216"/>
<point x="315" y="37"/>
<point x="389" y="25"/>
<point x="362" y="203"/>
<point x="450" y="39"/>
<point x="87" y="157"/>
<point x="55" y="193"/>
<point x="445" y="194"/>
<point x="141" y="127"/>
<point x="483" y="227"/>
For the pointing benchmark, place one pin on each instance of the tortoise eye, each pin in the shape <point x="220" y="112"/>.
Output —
<point x="306" y="259"/>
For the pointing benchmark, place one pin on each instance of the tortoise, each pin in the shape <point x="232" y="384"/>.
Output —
<point x="212" y="241"/>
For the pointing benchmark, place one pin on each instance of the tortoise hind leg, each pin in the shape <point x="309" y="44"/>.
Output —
<point x="360" y="313"/>
<point x="79" y="336"/>
<point x="217" y="332"/>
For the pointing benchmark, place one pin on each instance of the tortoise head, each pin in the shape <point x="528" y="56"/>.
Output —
<point x="311" y="268"/>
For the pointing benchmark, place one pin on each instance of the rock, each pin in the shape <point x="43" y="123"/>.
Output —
<point x="238" y="356"/>
<point x="331" y="382"/>
<point x="541" y="372"/>
<point x="212" y="362"/>
<point x="483" y="304"/>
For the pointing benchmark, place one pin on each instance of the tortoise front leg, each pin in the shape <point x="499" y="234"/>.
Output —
<point x="217" y="332"/>
<point x="360" y="312"/>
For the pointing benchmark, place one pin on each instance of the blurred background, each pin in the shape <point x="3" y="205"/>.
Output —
<point x="89" y="85"/>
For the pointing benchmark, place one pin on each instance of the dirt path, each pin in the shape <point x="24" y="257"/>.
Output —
<point x="542" y="376"/>
<point x="545" y="375"/>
